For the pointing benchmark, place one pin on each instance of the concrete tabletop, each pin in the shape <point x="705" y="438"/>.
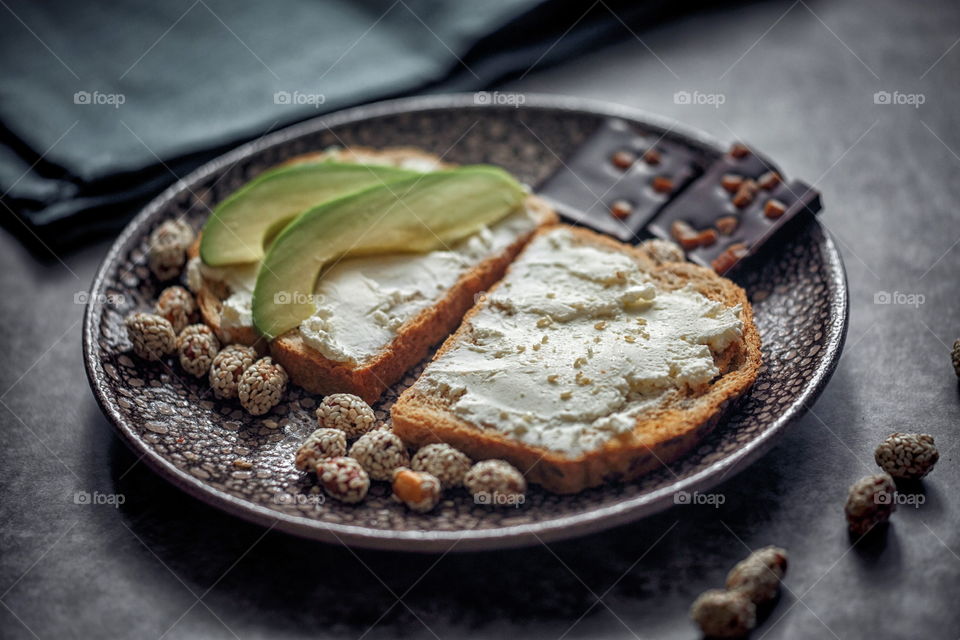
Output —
<point x="859" y="98"/>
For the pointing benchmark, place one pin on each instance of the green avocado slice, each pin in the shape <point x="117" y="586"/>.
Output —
<point x="417" y="214"/>
<point x="241" y="226"/>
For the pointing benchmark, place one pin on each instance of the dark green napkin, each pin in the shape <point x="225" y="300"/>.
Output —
<point x="105" y="103"/>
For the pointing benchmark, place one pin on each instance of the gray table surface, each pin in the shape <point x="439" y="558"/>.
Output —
<point x="798" y="81"/>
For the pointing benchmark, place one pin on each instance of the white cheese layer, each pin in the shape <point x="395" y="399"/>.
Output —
<point x="236" y="310"/>
<point x="576" y="343"/>
<point x="362" y="302"/>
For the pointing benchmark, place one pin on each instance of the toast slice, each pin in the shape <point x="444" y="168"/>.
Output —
<point x="591" y="361"/>
<point x="230" y="319"/>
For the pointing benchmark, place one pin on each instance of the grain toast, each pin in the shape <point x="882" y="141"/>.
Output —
<point x="658" y="436"/>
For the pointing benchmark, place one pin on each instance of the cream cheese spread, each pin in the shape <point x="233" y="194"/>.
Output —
<point x="362" y="302"/>
<point x="576" y="343"/>
<point x="236" y="310"/>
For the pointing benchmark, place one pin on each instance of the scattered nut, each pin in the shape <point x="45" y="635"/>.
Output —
<point x="443" y="461"/>
<point x="152" y="336"/>
<point x="745" y="194"/>
<point x="739" y="150"/>
<point x="495" y="482"/>
<point x="769" y="180"/>
<point x="623" y="159"/>
<point x="724" y="614"/>
<point x="346" y="412"/>
<point x="731" y="182"/>
<point x="910" y="456"/>
<point x="661" y="251"/>
<point x="707" y="237"/>
<point x="759" y="575"/>
<point x="727" y="224"/>
<point x="177" y="305"/>
<point x="955" y="357"/>
<point x="197" y="346"/>
<point x="261" y="386"/>
<point x="729" y="258"/>
<point x="322" y="443"/>
<point x="621" y="209"/>
<point x="871" y="501"/>
<point x="773" y="209"/>
<point x="662" y="184"/>
<point x="380" y="453"/>
<point x="227" y="367"/>
<point x="343" y="479"/>
<point x="651" y="156"/>
<point x="419" y="490"/>
<point x="685" y="235"/>
<point x="168" y="248"/>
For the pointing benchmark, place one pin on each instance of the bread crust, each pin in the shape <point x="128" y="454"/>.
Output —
<point x="656" y="440"/>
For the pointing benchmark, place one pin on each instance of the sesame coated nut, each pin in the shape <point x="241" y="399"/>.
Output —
<point x="152" y="336"/>
<point x="168" y="248"/>
<point x="724" y="614"/>
<point x="759" y="575"/>
<point x="177" y="305"/>
<point x="227" y="367"/>
<point x="871" y="501"/>
<point x="495" y="482"/>
<point x="343" y="479"/>
<point x="419" y="490"/>
<point x="955" y="356"/>
<point x="322" y="443"/>
<point x="346" y="412"/>
<point x="261" y="386"/>
<point x="661" y="251"/>
<point x="909" y="456"/>
<point x="197" y="346"/>
<point x="443" y="461"/>
<point x="380" y="453"/>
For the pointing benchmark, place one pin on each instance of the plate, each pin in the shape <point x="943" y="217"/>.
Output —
<point x="243" y="465"/>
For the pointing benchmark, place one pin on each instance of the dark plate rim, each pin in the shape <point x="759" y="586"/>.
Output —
<point x="438" y="541"/>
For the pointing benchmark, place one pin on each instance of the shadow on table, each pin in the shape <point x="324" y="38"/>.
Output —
<point x="277" y="579"/>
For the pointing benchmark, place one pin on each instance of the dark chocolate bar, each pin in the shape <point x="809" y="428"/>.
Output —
<point x="719" y="208"/>
<point x="618" y="180"/>
<point x="731" y="233"/>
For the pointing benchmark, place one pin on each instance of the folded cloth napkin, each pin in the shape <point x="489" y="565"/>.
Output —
<point x="104" y="104"/>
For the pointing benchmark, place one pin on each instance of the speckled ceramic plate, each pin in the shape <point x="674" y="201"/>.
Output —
<point x="241" y="464"/>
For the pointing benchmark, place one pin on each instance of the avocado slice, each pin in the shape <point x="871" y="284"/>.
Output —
<point x="417" y="214"/>
<point x="242" y="226"/>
